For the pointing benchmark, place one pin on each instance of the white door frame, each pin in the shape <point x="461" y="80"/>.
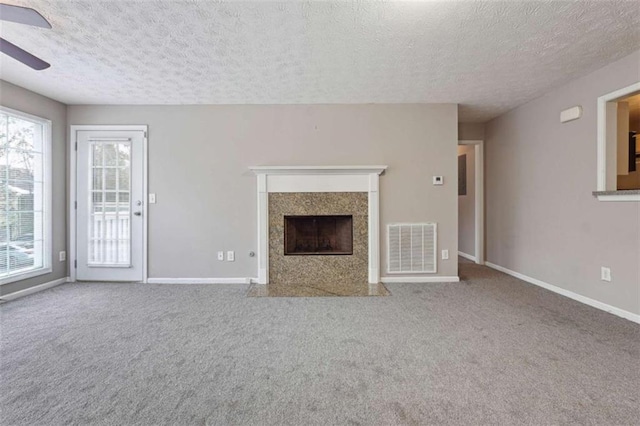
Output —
<point x="479" y="204"/>
<point x="73" y="158"/>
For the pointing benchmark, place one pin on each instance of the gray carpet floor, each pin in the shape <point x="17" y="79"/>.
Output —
<point x="489" y="350"/>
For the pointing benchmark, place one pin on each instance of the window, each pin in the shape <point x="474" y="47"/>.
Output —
<point x="618" y="147"/>
<point x="25" y="202"/>
<point x="628" y="150"/>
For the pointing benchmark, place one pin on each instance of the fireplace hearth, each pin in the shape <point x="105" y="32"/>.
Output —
<point x="314" y="235"/>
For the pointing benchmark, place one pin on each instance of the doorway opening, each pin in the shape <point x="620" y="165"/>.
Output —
<point x="108" y="214"/>
<point x="471" y="200"/>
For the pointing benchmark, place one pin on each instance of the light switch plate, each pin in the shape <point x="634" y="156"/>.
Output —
<point x="445" y="254"/>
<point x="152" y="198"/>
<point x="220" y="255"/>
<point x="438" y="180"/>
<point x="605" y="274"/>
<point x="231" y="256"/>
<point x="63" y="256"/>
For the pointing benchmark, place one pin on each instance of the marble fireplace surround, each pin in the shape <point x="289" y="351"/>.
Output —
<point x="304" y="179"/>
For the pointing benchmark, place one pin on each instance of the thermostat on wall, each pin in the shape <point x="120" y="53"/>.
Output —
<point x="438" y="180"/>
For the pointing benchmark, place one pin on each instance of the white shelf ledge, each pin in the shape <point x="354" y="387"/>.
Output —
<point x="620" y="195"/>
<point x="317" y="170"/>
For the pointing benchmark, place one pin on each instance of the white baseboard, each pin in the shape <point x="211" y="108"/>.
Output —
<point x="575" y="296"/>
<point x="34" y="289"/>
<point x="199" y="280"/>
<point x="467" y="256"/>
<point x="419" y="279"/>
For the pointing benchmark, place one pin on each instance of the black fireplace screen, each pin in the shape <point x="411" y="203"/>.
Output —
<point x="318" y="235"/>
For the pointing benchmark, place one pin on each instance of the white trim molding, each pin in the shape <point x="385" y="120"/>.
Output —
<point x="467" y="256"/>
<point x="234" y="280"/>
<point x="32" y="273"/>
<point x="47" y="198"/>
<point x="420" y="279"/>
<point x="318" y="179"/>
<point x="479" y="197"/>
<point x="620" y="196"/>
<point x="73" y="139"/>
<point x="34" y="289"/>
<point x="571" y="295"/>
<point x="317" y="170"/>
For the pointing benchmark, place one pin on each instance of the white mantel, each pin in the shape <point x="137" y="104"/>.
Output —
<point x="318" y="179"/>
<point x="317" y="170"/>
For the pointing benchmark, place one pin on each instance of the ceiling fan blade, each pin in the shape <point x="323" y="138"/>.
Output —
<point x="22" y="55"/>
<point x="22" y="15"/>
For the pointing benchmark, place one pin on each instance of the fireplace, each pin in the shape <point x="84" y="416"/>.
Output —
<point x="348" y="194"/>
<point x="318" y="235"/>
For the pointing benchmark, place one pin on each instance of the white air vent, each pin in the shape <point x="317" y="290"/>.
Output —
<point x="411" y="248"/>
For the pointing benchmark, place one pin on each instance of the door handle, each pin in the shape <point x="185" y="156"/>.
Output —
<point x="137" y="213"/>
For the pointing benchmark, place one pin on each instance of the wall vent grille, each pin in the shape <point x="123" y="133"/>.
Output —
<point x="411" y="247"/>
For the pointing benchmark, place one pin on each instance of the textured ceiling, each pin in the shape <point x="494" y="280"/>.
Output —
<point x="488" y="56"/>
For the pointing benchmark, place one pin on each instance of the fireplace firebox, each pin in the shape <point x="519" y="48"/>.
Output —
<point x="318" y="235"/>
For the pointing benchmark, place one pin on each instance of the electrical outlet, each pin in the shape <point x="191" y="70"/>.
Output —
<point x="605" y="274"/>
<point x="220" y="255"/>
<point x="63" y="256"/>
<point x="231" y="256"/>
<point x="445" y="254"/>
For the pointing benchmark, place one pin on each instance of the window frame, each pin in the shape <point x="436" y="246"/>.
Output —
<point x="602" y="192"/>
<point x="47" y="189"/>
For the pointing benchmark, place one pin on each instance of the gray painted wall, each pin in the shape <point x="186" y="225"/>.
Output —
<point x="199" y="155"/>
<point x="17" y="98"/>
<point x="542" y="220"/>
<point x="470" y="131"/>
<point x="467" y="206"/>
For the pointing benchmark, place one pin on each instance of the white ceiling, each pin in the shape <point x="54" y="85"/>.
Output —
<point x="488" y="56"/>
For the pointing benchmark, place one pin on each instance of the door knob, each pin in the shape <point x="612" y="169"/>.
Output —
<point x="137" y="213"/>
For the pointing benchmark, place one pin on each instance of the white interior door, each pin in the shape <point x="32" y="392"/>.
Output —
<point x="110" y="209"/>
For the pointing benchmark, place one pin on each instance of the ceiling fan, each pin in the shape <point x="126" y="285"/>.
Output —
<point x="27" y="16"/>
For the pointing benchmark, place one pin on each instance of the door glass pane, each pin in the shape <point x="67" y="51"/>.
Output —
<point x="110" y="153"/>
<point x="110" y="178"/>
<point x="109" y="204"/>
<point x="97" y="178"/>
